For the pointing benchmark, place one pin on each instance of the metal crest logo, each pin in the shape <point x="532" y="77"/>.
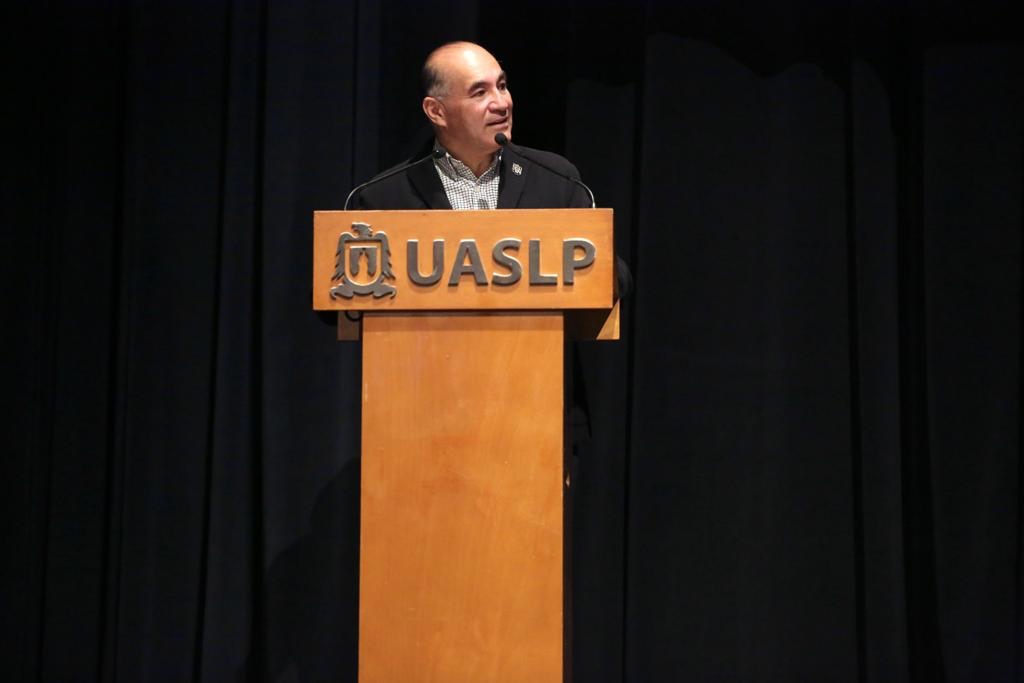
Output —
<point x="355" y="249"/>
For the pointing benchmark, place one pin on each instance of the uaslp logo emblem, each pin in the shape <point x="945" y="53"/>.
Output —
<point x="364" y="248"/>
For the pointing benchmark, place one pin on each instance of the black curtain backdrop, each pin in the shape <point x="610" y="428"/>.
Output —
<point x="804" y="457"/>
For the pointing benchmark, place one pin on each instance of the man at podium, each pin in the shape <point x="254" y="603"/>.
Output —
<point x="473" y="164"/>
<point x="464" y="568"/>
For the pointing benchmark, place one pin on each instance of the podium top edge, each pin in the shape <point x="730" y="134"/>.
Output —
<point x="461" y="211"/>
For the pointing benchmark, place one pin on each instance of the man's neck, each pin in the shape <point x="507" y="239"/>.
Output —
<point x="477" y="163"/>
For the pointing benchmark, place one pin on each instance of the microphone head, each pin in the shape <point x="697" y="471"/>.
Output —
<point x="501" y="139"/>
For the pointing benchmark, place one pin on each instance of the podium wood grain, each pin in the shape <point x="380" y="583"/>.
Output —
<point x="461" y="562"/>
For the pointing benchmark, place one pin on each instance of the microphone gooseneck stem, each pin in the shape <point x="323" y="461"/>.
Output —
<point x="433" y="155"/>
<point x="503" y="140"/>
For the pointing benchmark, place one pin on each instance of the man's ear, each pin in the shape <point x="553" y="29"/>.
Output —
<point x="434" y="109"/>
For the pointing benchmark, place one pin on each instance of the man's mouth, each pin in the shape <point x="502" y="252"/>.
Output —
<point x="499" y="122"/>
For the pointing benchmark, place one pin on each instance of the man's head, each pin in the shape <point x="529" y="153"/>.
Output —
<point x="466" y="99"/>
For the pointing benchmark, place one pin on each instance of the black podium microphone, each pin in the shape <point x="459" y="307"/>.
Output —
<point x="503" y="140"/>
<point x="436" y="154"/>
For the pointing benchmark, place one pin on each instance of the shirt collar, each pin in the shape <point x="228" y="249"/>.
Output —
<point x="453" y="167"/>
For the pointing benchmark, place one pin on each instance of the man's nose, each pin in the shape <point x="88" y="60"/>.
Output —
<point x="500" y="102"/>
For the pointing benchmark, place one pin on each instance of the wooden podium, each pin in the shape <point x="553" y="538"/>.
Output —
<point x="464" y="317"/>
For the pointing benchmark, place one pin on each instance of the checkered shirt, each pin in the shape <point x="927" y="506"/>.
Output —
<point x="464" y="189"/>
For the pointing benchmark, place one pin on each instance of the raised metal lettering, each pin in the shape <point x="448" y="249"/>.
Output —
<point x="515" y="269"/>
<point x="412" y="250"/>
<point x="570" y="264"/>
<point x="474" y="267"/>
<point x="536" y="277"/>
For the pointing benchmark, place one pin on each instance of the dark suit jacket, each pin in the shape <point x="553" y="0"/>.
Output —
<point x="533" y="187"/>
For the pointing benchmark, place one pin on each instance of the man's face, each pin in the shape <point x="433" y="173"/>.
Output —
<point x="478" y="103"/>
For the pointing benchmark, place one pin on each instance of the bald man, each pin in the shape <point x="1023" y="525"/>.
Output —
<point x="467" y="101"/>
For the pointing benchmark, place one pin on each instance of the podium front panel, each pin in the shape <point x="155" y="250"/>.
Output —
<point x="506" y="259"/>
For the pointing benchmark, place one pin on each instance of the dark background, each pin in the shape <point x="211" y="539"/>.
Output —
<point x="804" y="461"/>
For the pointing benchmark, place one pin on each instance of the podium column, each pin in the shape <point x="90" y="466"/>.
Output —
<point x="463" y="474"/>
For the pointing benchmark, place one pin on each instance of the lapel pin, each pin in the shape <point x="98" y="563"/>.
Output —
<point x="517" y="169"/>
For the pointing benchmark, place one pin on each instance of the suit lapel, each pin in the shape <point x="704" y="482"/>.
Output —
<point x="426" y="183"/>
<point x="512" y="183"/>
